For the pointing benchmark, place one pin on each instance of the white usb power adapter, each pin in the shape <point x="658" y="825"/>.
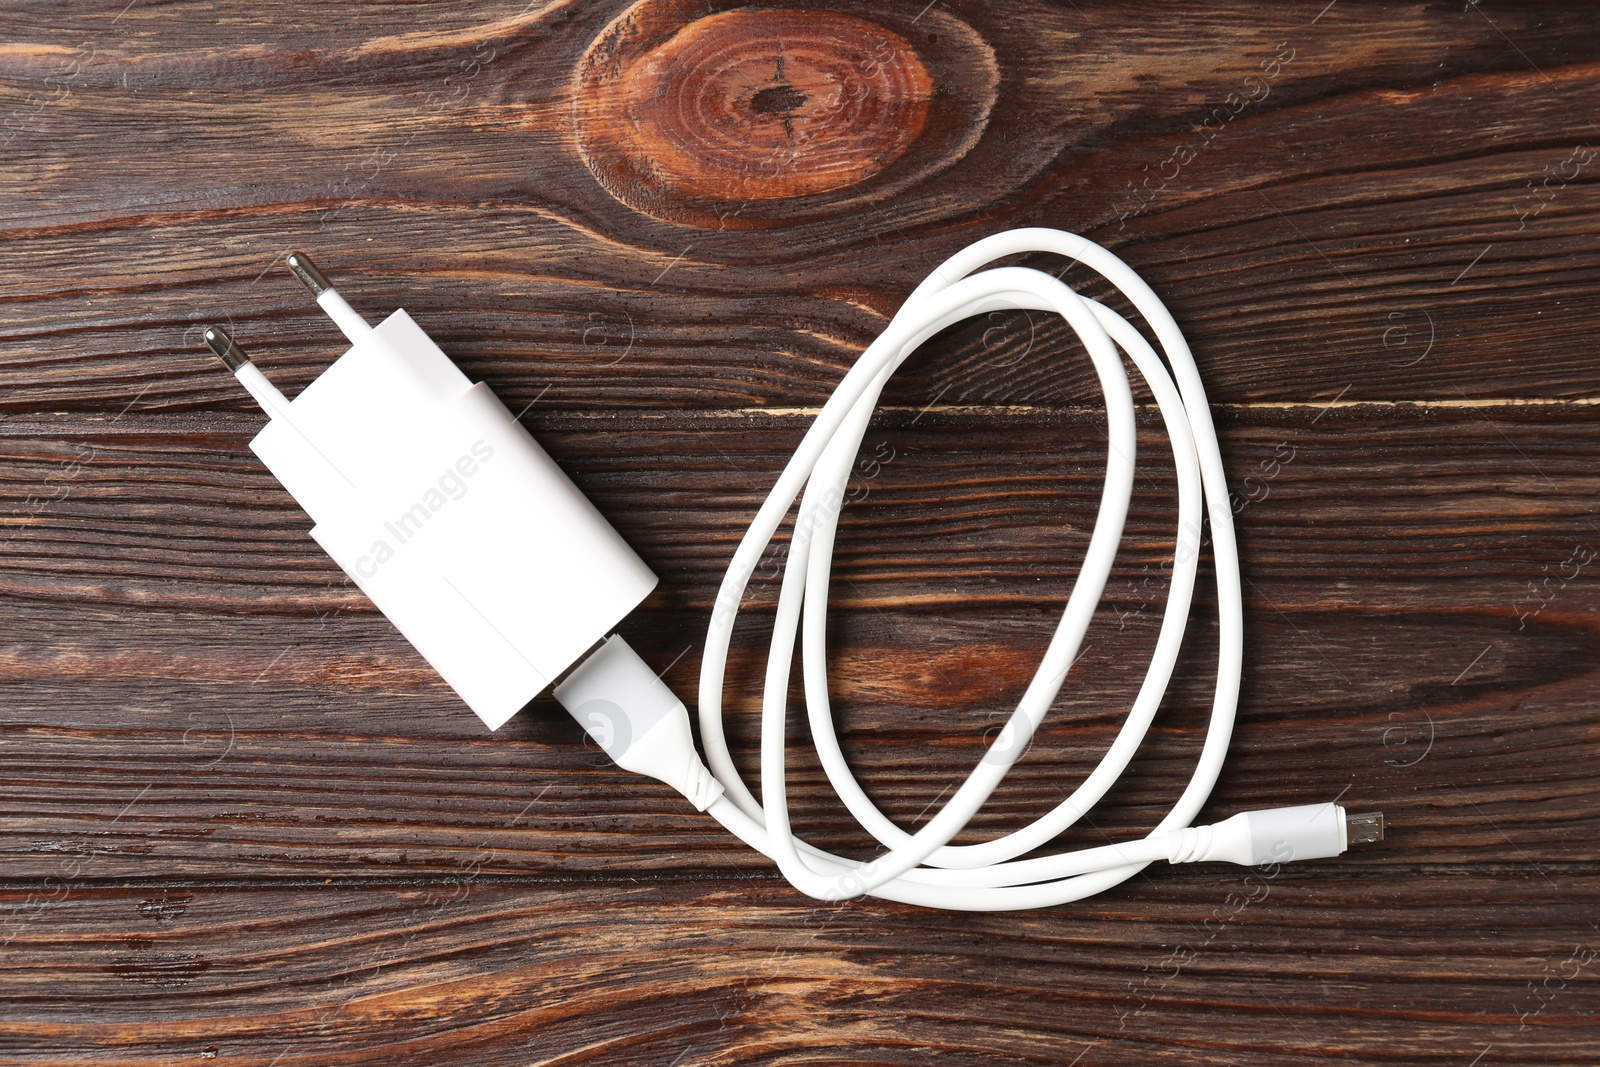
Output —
<point x="445" y="512"/>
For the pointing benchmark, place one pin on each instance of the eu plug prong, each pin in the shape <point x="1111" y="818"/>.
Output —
<point x="235" y="359"/>
<point x="312" y="278"/>
<point x="227" y="349"/>
<point x="350" y="323"/>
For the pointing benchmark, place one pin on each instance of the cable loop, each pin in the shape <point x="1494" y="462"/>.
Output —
<point x="923" y="867"/>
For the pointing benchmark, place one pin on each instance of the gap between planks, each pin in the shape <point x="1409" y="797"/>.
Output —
<point x="680" y="414"/>
<point x="1041" y="409"/>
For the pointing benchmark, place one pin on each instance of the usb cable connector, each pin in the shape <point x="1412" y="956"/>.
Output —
<point x="1365" y="828"/>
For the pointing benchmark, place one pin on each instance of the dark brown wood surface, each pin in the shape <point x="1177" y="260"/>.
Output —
<point x="241" y="821"/>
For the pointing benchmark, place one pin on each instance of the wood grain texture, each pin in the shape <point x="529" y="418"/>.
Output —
<point x="466" y="971"/>
<point x="242" y="822"/>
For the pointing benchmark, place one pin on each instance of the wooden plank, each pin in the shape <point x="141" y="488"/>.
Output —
<point x="1447" y="242"/>
<point x="176" y="511"/>
<point x="1427" y="966"/>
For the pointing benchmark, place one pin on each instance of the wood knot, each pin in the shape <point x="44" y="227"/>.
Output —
<point x="781" y="100"/>
<point x="755" y="116"/>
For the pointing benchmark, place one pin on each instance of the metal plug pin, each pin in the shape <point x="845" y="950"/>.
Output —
<point x="350" y="323"/>
<point x="1365" y="828"/>
<point x="312" y="278"/>
<point x="227" y="349"/>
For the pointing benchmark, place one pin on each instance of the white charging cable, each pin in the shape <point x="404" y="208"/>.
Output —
<point x="447" y="513"/>
<point x="923" y="867"/>
<point x="822" y="464"/>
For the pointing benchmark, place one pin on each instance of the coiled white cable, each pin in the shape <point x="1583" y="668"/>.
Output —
<point x="638" y="721"/>
<point x="923" y="867"/>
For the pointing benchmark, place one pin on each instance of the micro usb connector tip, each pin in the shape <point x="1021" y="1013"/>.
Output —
<point x="1365" y="828"/>
<point x="312" y="278"/>
<point x="225" y="347"/>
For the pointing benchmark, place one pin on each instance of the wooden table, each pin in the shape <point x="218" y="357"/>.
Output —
<point x="245" y="824"/>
